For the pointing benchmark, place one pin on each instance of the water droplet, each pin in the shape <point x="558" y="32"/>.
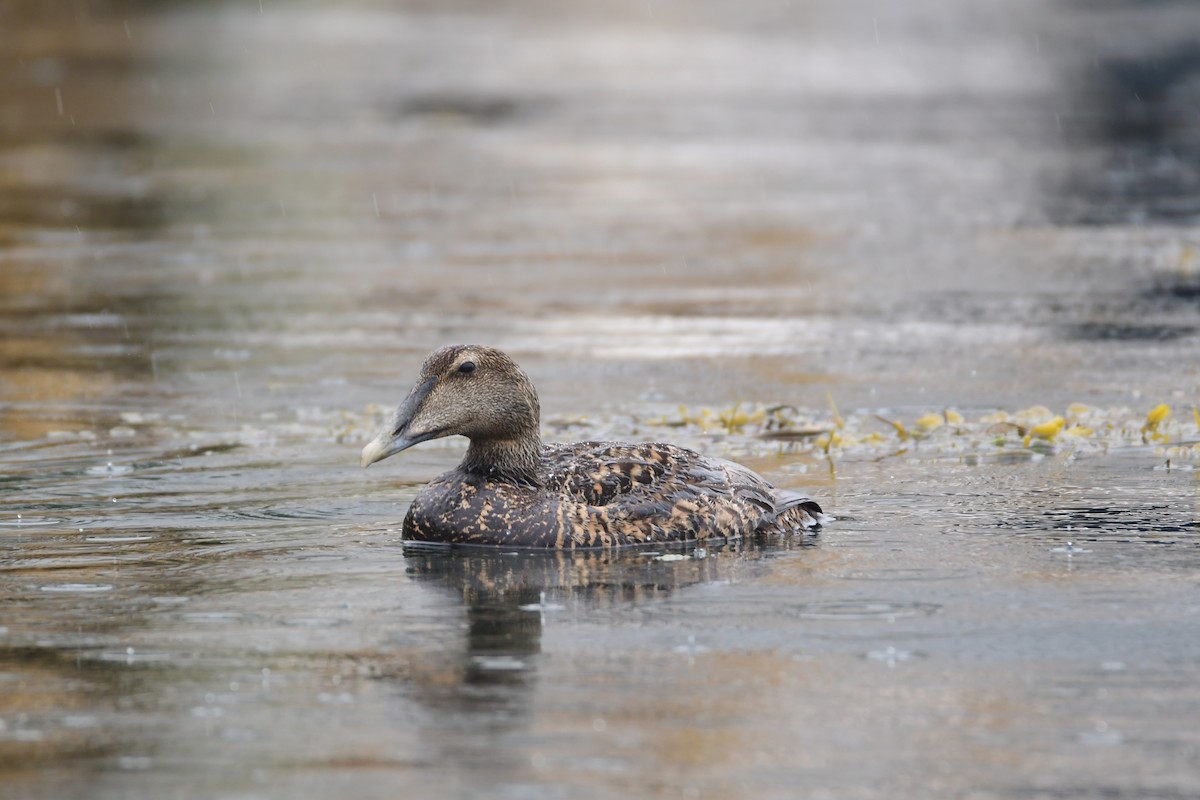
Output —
<point x="77" y="588"/>
<point x="541" y="605"/>
<point x="119" y="539"/>
<point x="890" y="655"/>
<point x="79" y="721"/>
<point x="500" y="663"/>
<point x="691" y="648"/>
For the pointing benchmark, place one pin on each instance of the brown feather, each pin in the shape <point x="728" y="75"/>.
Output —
<point x="606" y="494"/>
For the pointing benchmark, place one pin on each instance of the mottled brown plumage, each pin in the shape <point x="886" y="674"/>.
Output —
<point x="514" y="491"/>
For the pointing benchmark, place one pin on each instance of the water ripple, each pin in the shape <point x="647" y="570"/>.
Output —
<point x="77" y="588"/>
<point x="862" y="610"/>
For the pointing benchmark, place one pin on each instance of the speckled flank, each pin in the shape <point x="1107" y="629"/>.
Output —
<point x="602" y="494"/>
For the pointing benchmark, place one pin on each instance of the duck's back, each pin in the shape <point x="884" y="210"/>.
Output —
<point x="606" y="494"/>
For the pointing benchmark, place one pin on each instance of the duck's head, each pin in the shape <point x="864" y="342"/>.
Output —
<point x="466" y="390"/>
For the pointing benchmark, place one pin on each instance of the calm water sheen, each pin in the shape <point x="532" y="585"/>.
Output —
<point x="229" y="231"/>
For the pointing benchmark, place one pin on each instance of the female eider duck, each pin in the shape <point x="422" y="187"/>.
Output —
<point x="514" y="491"/>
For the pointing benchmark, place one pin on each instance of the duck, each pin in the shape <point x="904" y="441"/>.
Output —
<point x="513" y="490"/>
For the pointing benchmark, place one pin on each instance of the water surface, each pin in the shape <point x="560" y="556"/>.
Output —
<point x="229" y="232"/>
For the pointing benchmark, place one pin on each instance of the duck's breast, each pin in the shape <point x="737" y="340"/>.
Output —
<point x="463" y="508"/>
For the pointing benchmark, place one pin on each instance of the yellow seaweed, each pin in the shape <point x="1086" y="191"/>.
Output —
<point x="901" y="431"/>
<point x="732" y="419"/>
<point x="1077" y="410"/>
<point x="1048" y="430"/>
<point x="837" y="418"/>
<point x="930" y="422"/>
<point x="1157" y="415"/>
<point x="1081" y="428"/>
<point x="1150" y="430"/>
<point x="1034" y="412"/>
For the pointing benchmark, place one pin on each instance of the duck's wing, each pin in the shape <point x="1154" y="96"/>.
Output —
<point x="783" y="507"/>
<point x="661" y="491"/>
<point x="786" y="506"/>
<point x="598" y="473"/>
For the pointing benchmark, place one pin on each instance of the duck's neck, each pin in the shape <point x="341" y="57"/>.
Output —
<point x="514" y="460"/>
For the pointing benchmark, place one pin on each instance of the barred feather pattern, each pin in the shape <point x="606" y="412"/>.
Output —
<point x="606" y="494"/>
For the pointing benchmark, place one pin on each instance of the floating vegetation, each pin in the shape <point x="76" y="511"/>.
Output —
<point x="1034" y="431"/>
<point x="756" y="429"/>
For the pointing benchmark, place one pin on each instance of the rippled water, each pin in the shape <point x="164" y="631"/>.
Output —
<point x="229" y="232"/>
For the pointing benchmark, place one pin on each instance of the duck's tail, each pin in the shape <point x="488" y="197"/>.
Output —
<point x="800" y="509"/>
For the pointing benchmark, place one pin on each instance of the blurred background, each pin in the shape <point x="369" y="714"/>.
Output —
<point x="957" y="203"/>
<point x="230" y="232"/>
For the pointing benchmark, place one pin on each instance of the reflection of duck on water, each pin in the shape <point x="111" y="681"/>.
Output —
<point x="481" y="698"/>
<point x="510" y="595"/>
<point x="489" y="578"/>
<point x="512" y="490"/>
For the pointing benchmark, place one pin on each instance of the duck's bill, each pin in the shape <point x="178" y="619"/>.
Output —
<point x="397" y="435"/>
<point x="377" y="450"/>
<point x="385" y="444"/>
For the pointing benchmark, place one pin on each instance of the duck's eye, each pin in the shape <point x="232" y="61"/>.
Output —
<point x="467" y="367"/>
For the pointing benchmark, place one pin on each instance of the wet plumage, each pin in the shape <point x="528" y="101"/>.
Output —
<point x="512" y="490"/>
